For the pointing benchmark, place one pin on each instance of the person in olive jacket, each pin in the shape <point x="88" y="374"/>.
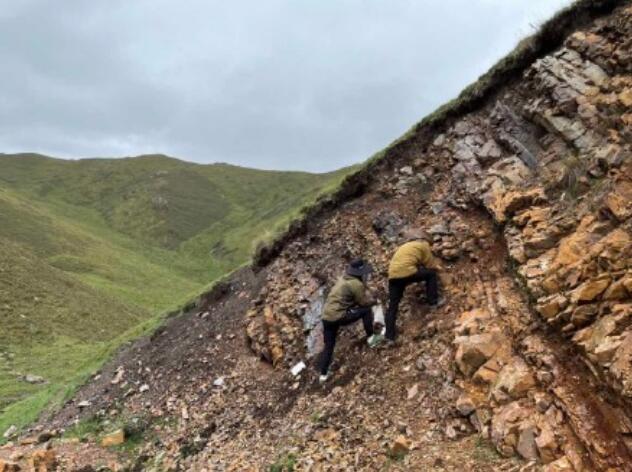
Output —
<point x="412" y="262"/>
<point x="348" y="302"/>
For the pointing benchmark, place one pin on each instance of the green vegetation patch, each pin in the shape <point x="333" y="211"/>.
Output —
<point x="93" y="251"/>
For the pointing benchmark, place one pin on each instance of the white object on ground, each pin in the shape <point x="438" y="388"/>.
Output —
<point x="378" y="314"/>
<point x="219" y="382"/>
<point x="298" y="368"/>
<point x="10" y="432"/>
<point x="323" y="378"/>
<point x="374" y="340"/>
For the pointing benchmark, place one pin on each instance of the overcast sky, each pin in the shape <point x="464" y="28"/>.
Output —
<point x="285" y="84"/>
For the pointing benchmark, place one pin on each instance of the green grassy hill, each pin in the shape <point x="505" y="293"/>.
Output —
<point x="92" y="251"/>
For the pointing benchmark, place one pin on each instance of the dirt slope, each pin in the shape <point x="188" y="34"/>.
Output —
<point x="526" y="367"/>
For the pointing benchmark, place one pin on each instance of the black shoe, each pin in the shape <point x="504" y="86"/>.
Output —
<point x="437" y="303"/>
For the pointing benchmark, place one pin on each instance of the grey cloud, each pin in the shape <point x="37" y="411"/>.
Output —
<point x="276" y="84"/>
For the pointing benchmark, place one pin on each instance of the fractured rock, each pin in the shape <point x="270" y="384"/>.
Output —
<point x="503" y="205"/>
<point x="560" y="465"/>
<point x="590" y="290"/>
<point x="526" y="447"/>
<point x="606" y="350"/>
<point x="470" y="321"/>
<point x="480" y="419"/>
<point x="514" y="381"/>
<point x="621" y="366"/>
<point x="488" y="372"/>
<point x="43" y="461"/>
<point x="549" y="307"/>
<point x="542" y="401"/>
<point x="619" y="201"/>
<point x="506" y="427"/>
<point x="465" y="405"/>
<point x="113" y="439"/>
<point x="400" y="446"/>
<point x="547" y="444"/>
<point x="489" y="151"/>
<point x="618" y="290"/>
<point x="474" y="350"/>
<point x="7" y="466"/>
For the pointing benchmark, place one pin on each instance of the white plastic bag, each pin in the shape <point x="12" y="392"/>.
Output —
<point x="378" y="315"/>
<point x="298" y="368"/>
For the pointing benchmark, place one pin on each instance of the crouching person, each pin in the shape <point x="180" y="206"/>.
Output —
<point x="412" y="262"/>
<point x="348" y="302"/>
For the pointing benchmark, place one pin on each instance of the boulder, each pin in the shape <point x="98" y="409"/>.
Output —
<point x="43" y="461"/>
<point x="621" y="366"/>
<point x="469" y="322"/>
<point x="440" y="229"/>
<point x="625" y="97"/>
<point x="513" y="382"/>
<point x="576" y="245"/>
<point x="627" y="282"/>
<point x="489" y="151"/>
<point x="465" y="405"/>
<point x="506" y="427"/>
<point x="618" y="290"/>
<point x="560" y="465"/>
<point x="547" y="444"/>
<point x="488" y="372"/>
<point x="526" y="447"/>
<point x="387" y="225"/>
<point x="583" y="315"/>
<point x="401" y="446"/>
<point x="605" y="351"/>
<point x="550" y="306"/>
<point x="542" y="401"/>
<point x="7" y="466"/>
<point x="570" y="129"/>
<point x="474" y="350"/>
<point x="439" y="141"/>
<point x="591" y="337"/>
<point x="590" y="290"/>
<point x="274" y="338"/>
<point x="480" y="419"/>
<point x="618" y="201"/>
<point x="113" y="439"/>
<point x="504" y="205"/>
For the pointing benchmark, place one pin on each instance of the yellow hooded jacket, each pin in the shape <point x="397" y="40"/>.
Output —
<point x="409" y="257"/>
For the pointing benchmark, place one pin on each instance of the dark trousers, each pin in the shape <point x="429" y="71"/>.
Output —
<point x="396" y="288"/>
<point x="330" y="332"/>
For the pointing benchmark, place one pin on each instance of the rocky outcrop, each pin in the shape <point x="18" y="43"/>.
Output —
<point x="550" y="160"/>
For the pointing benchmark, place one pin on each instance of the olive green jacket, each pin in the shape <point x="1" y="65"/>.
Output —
<point x="348" y="292"/>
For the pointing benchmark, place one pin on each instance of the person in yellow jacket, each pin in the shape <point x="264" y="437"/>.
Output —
<point x="347" y="302"/>
<point x="412" y="262"/>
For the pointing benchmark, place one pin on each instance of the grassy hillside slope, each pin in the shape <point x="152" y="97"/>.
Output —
<point x="91" y="251"/>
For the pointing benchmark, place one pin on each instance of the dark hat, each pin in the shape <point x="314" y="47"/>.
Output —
<point x="358" y="268"/>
